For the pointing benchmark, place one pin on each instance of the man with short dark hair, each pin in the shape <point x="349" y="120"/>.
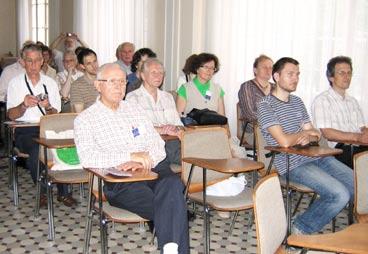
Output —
<point x="337" y="114"/>
<point x="124" y="54"/>
<point x="284" y="122"/>
<point x="117" y="133"/>
<point x="30" y="96"/>
<point x="82" y="90"/>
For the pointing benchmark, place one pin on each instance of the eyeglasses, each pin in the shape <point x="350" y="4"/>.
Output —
<point x="32" y="61"/>
<point x="114" y="82"/>
<point x="207" y="68"/>
<point x="344" y="73"/>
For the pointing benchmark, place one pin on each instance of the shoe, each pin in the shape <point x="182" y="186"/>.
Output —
<point x="224" y="215"/>
<point x="68" y="201"/>
<point x="43" y="200"/>
<point x="191" y="215"/>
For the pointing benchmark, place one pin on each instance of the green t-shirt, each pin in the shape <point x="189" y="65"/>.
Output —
<point x="202" y="88"/>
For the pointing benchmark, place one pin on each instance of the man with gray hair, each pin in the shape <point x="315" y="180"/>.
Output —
<point x="124" y="54"/>
<point x="117" y="133"/>
<point x="30" y="96"/>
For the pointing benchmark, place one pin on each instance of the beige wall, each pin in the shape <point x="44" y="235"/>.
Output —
<point x="8" y="33"/>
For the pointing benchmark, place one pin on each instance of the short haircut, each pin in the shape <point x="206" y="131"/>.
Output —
<point x="83" y="53"/>
<point x="259" y="59"/>
<point x="44" y="48"/>
<point x="330" y="72"/>
<point x="280" y="64"/>
<point x="121" y="46"/>
<point x="30" y="47"/>
<point x="146" y="64"/>
<point x="138" y="56"/>
<point x="106" y="66"/>
<point x="203" y="58"/>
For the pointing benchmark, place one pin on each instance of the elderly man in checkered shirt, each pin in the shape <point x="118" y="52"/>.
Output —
<point x="117" y="133"/>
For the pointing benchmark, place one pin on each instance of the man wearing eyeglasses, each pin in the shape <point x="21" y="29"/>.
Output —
<point x="337" y="114"/>
<point x="117" y="133"/>
<point x="30" y="96"/>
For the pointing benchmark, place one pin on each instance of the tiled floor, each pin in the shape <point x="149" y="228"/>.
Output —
<point x="20" y="232"/>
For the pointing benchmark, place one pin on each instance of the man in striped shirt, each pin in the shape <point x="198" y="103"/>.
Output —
<point x="284" y="121"/>
<point x="337" y="114"/>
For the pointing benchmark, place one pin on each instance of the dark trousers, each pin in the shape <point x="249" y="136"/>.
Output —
<point x="161" y="200"/>
<point x="173" y="151"/>
<point x="348" y="150"/>
<point x="24" y="142"/>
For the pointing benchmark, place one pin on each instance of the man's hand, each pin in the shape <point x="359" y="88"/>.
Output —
<point x="44" y="103"/>
<point x="171" y="130"/>
<point x="143" y="158"/>
<point x="130" y="165"/>
<point x="30" y="101"/>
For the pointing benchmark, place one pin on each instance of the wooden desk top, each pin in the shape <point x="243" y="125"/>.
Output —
<point x="20" y="124"/>
<point x="310" y="151"/>
<point x="353" y="239"/>
<point x="137" y="176"/>
<point x="166" y="137"/>
<point x="55" y="143"/>
<point x="349" y="142"/>
<point x="232" y="165"/>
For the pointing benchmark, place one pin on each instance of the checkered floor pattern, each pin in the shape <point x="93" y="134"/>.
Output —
<point x="21" y="232"/>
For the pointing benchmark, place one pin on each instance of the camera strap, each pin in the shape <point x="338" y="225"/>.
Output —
<point x="30" y="91"/>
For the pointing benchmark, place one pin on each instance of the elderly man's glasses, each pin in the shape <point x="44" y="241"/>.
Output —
<point x="114" y="82"/>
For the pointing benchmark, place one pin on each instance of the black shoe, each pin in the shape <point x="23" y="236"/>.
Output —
<point x="151" y="226"/>
<point x="191" y="215"/>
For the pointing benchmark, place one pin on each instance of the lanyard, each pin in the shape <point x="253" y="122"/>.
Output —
<point x="30" y="91"/>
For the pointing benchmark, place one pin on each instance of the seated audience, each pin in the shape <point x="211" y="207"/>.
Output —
<point x="46" y="68"/>
<point x="83" y="91"/>
<point x="65" y="78"/>
<point x="134" y="80"/>
<point x="124" y="54"/>
<point x="201" y="92"/>
<point x="24" y="105"/>
<point x="70" y="41"/>
<point x="284" y="122"/>
<point x="255" y="89"/>
<point x="8" y="74"/>
<point x="337" y="114"/>
<point x="158" y="105"/>
<point x="117" y="133"/>
<point x="186" y="74"/>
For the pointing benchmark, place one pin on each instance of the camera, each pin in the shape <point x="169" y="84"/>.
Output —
<point x="42" y="96"/>
<point x="69" y="34"/>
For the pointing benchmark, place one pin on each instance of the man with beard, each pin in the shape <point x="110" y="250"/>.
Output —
<point x="284" y="122"/>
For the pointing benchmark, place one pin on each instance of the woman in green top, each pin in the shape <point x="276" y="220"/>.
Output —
<point x="201" y="92"/>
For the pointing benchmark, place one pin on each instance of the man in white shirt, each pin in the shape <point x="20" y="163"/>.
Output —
<point x="117" y="133"/>
<point x="30" y="96"/>
<point x="8" y="74"/>
<point x="337" y="114"/>
<point x="159" y="106"/>
<point x="124" y="54"/>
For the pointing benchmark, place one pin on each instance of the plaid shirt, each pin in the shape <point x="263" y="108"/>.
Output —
<point x="106" y="138"/>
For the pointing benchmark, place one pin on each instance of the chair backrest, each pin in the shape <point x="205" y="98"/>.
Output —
<point x="57" y="123"/>
<point x="208" y="143"/>
<point x="239" y="122"/>
<point x="269" y="214"/>
<point x="361" y="183"/>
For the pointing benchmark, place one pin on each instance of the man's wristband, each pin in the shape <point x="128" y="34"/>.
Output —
<point x="23" y="106"/>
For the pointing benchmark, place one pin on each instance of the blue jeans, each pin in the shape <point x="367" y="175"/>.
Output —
<point x="334" y="184"/>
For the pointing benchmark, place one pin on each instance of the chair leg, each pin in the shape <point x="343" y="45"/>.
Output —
<point x="297" y="204"/>
<point x="81" y="191"/>
<point x="233" y="222"/>
<point x="38" y="192"/>
<point x="15" y="181"/>
<point x="333" y="225"/>
<point x="87" y="234"/>
<point x="152" y="242"/>
<point x="104" y="242"/>
<point x="50" y="210"/>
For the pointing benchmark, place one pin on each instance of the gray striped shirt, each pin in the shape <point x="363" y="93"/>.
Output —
<point x="291" y="116"/>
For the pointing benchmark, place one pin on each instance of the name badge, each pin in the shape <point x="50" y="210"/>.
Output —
<point x="208" y="95"/>
<point x="135" y="132"/>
